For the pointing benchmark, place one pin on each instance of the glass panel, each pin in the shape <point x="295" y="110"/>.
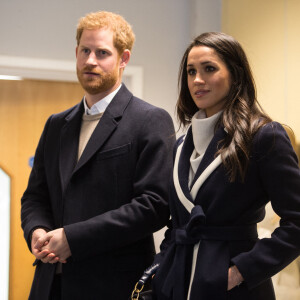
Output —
<point x="4" y="233"/>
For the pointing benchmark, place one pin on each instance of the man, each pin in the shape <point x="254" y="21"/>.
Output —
<point x="98" y="187"/>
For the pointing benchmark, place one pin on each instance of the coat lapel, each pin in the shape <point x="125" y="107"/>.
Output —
<point x="106" y="126"/>
<point x="69" y="139"/>
<point x="210" y="153"/>
<point x="182" y="164"/>
<point x="181" y="189"/>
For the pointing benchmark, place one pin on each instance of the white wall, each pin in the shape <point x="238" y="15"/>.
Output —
<point x="46" y="29"/>
<point x="205" y="15"/>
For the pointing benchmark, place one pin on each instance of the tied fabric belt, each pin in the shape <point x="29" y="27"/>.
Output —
<point x="179" y="258"/>
<point x="218" y="233"/>
<point x="195" y="230"/>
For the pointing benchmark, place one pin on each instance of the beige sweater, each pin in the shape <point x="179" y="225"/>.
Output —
<point x="88" y="125"/>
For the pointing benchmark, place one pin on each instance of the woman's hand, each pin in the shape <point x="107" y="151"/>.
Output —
<point x="234" y="277"/>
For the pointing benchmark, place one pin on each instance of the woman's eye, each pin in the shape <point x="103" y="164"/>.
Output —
<point x="191" y="71"/>
<point x="210" y="68"/>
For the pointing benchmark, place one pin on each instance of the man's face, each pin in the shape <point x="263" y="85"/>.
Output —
<point x="98" y="62"/>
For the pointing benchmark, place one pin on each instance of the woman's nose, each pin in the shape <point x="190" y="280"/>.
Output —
<point x="199" y="79"/>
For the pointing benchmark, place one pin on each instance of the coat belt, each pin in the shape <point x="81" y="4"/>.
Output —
<point x="196" y="230"/>
<point x="218" y="233"/>
<point x="192" y="233"/>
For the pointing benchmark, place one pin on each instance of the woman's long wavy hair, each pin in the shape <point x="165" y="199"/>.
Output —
<point x="242" y="115"/>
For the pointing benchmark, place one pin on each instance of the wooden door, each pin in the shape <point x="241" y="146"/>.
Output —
<point x="24" y="108"/>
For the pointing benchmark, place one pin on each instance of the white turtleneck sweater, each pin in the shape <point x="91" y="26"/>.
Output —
<point x="203" y="129"/>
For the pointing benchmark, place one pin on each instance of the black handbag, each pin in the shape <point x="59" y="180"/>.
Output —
<point x="137" y="293"/>
<point x="147" y="295"/>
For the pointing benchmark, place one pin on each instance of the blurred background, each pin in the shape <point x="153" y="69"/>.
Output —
<point x="38" y="45"/>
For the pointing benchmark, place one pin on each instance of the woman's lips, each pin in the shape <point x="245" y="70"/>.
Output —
<point x="200" y="93"/>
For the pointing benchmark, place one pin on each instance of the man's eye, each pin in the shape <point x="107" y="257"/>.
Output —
<point x="86" y="51"/>
<point x="101" y="53"/>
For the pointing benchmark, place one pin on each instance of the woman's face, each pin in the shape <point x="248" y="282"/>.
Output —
<point x="209" y="79"/>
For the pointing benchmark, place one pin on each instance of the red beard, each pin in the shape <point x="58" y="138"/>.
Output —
<point x="98" y="83"/>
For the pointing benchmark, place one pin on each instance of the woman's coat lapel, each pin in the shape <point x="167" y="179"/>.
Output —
<point x="182" y="165"/>
<point x="207" y="166"/>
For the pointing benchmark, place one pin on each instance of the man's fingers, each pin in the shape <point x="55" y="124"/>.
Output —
<point x="42" y="241"/>
<point x="50" y="258"/>
<point x="54" y="260"/>
<point x="41" y="254"/>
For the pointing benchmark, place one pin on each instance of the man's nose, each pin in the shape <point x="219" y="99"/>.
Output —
<point x="92" y="59"/>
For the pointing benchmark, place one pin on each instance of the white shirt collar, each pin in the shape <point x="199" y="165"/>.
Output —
<point x="101" y="105"/>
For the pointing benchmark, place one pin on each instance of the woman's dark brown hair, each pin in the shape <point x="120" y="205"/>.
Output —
<point x="242" y="115"/>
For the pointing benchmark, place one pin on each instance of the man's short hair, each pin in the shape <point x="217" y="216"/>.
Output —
<point x="123" y="34"/>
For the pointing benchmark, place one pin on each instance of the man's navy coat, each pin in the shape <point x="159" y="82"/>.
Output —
<point x="109" y="203"/>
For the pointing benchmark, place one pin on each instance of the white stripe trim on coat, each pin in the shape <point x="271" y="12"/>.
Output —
<point x="213" y="165"/>
<point x="187" y="203"/>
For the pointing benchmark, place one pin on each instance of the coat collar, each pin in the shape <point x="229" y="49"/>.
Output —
<point x="182" y="165"/>
<point x="210" y="153"/>
<point x="180" y="176"/>
<point x="70" y="134"/>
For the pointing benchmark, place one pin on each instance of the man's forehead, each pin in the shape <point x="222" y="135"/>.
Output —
<point x="100" y="37"/>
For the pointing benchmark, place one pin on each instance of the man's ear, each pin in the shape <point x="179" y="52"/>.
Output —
<point x="76" y="51"/>
<point x="125" y="58"/>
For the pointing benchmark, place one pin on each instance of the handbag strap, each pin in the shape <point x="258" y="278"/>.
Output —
<point x="148" y="273"/>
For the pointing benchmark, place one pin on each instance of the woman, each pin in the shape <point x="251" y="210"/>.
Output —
<point x="231" y="162"/>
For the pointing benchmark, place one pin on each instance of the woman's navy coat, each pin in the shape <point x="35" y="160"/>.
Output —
<point x="221" y="222"/>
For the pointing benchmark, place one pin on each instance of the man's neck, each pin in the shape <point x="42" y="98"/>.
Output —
<point x="92" y="99"/>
